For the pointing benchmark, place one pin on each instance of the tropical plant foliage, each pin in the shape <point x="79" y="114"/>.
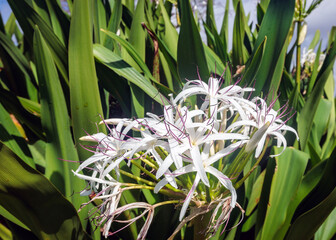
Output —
<point x="63" y="71"/>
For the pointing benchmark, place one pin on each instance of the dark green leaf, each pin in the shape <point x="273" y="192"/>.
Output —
<point x="84" y="93"/>
<point x="275" y="25"/>
<point x="32" y="199"/>
<point x="191" y="59"/>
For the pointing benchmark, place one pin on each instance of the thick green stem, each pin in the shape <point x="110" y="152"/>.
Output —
<point x="298" y="56"/>
<point x="241" y="181"/>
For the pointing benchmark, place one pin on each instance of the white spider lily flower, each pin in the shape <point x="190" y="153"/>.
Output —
<point x="268" y="122"/>
<point x="214" y="95"/>
<point x="196" y="136"/>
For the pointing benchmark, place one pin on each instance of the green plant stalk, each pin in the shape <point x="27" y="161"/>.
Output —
<point x="241" y="181"/>
<point x="138" y="179"/>
<point x="298" y="57"/>
<point x="146" y="161"/>
<point x="151" y="175"/>
<point x="239" y="162"/>
<point x="167" y="192"/>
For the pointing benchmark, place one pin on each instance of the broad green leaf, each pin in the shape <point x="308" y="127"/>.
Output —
<point x="84" y="94"/>
<point x="5" y="233"/>
<point x="137" y="37"/>
<point x="59" y="21"/>
<point x="191" y="60"/>
<point x="13" y="106"/>
<point x="10" y="25"/>
<point x="315" y="40"/>
<point x="275" y="25"/>
<point x="210" y="16"/>
<point x="326" y="185"/>
<point x="170" y="35"/>
<point x="328" y="228"/>
<point x="264" y="197"/>
<point x="56" y="125"/>
<point x="309" y="181"/>
<point x="115" y="85"/>
<point x="255" y="194"/>
<point x="11" y="137"/>
<point x="277" y="74"/>
<point x="239" y="52"/>
<point x="32" y="199"/>
<point x="224" y="33"/>
<point x="215" y="64"/>
<point x="218" y="47"/>
<point x="250" y="222"/>
<point x="99" y="20"/>
<point x="315" y="70"/>
<point x="114" y="22"/>
<point x="168" y="55"/>
<point x="285" y="183"/>
<point x="114" y="62"/>
<point x="307" y="114"/>
<point x="313" y="218"/>
<point x="31" y="106"/>
<point x="253" y="64"/>
<point x="28" y="18"/>
<point x="320" y="124"/>
<point x="329" y="91"/>
<point x="137" y="59"/>
<point x="16" y="67"/>
<point x="4" y="213"/>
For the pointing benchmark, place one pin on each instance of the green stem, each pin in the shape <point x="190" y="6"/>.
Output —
<point x="165" y="203"/>
<point x="138" y="179"/>
<point x="173" y="194"/>
<point x="151" y="175"/>
<point x="298" y="56"/>
<point x="241" y="181"/>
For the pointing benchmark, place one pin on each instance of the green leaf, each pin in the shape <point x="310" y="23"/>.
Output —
<point x="169" y="36"/>
<point x="4" y="213"/>
<point x="275" y="25"/>
<point x="137" y="59"/>
<point x="285" y="183"/>
<point x="215" y="64"/>
<point x="114" y="22"/>
<point x="255" y="194"/>
<point x="308" y="183"/>
<point x="191" y="58"/>
<point x="11" y="137"/>
<point x="28" y="18"/>
<point x="239" y="52"/>
<point x="253" y="64"/>
<point x="56" y="124"/>
<point x="5" y="233"/>
<point x="120" y="67"/>
<point x="13" y="106"/>
<point x="99" y="20"/>
<point x="328" y="228"/>
<point x="305" y="121"/>
<point x="315" y="40"/>
<point x="59" y="21"/>
<point x="16" y="67"/>
<point x="313" y="218"/>
<point x="32" y="199"/>
<point x="84" y="93"/>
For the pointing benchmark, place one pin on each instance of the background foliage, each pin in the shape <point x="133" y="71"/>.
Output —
<point x="62" y="71"/>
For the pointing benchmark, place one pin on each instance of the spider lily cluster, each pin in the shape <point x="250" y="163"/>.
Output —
<point x="192" y="153"/>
